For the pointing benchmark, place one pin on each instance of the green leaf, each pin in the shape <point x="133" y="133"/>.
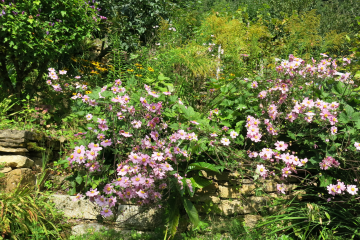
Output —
<point x="203" y="166"/>
<point x="30" y="20"/>
<point x="325" y="180"/>
<point x="174" y="216"/>
<point x="199" y="182"/>
<point x="291" y="135"/>
<point x="81" y="113"/>
<point x="191" y="211"/>
<point x="79" y="179"/>
<point x="162" y="77"/>
<point x="63" y="13"/>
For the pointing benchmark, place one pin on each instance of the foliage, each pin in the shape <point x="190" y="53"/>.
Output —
<point x="36" y="33"/>
<point x="24" y="213"/>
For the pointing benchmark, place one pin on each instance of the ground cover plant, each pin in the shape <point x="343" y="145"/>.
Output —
<point x="242" y="88"/>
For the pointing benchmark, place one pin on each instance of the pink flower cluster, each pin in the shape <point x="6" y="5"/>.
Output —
<point x="340" y="188"/>
<point x="325" y="68"/>
<point x="328" y="162"/>
<point x="253" y="130"/>
<point x="291" y="161"/>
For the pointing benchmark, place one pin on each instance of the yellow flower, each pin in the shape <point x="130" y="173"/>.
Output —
<point x="130" y="70"/>
<point x="88" y="92"/>
<point x="231" y="74"/>
<point x="74" y="93"/>
<point x="150" y="69"/>
<point x="138" y="75"/>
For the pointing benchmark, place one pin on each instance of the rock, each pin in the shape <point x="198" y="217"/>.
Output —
<point x="224" y="176"/>
<point x="75" y="209"/>
<point x="87" y="227"/>
<point x="12" y="144"/>
<point x="13" y="150"/>
<point x="236" y="192"/>
<point x="205" y="198"/>
<point x="133" y="216"/>
<point x="5" y="170"/>
<point x="16" y="161"/>
<point x="246" y="206"/>
<point x="251" y="220"/>
<point x="24" y="176"/>
<point x="212" y="188"/>
<point x="15" y="134"/>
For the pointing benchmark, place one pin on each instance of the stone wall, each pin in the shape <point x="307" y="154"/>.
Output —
<point x="228" y="196"/>
<point x="23" y="152"/>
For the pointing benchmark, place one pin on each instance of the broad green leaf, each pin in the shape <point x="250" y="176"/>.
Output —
<point x="291" y="135"/>
<point x="200" y="182"/>
<point x="203" y="166"/>
<point x="191" y="211"/>
<point x="162" y="77"/>
<point x="63" y="13"/>
<point x="174" y="216"/>
<point x="81" y="113"/>
<point x="79" y="179"/>
<point x="325" y="180"/>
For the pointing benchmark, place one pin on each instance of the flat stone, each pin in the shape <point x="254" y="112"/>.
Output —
<point x="236" y="192"/>
<point x="75" y="209"/>
<point x="23" y="176"/>
<point x="16" y="161"/>
<point x="13" y="150"/>
<point x="208" y="197"/>
<point x="5" y="170"/>
<point x="224" y="176"/>
<point x="12" y="144"/>
<point x="133" y="216"/>
<point x="212" y="188"/>
<point x="245" y="206"/>
<point x="15" y="134"/>
<point x="87" y="227"/>
<point x="251" y="220"/>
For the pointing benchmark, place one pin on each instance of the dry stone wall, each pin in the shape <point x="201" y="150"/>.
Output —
<point x="21" y="152"/>
<point x="229" y="194"/>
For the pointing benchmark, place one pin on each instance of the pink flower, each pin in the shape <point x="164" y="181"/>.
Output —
<point x="125" y="134"/>
<point x="137" y="180"/>
<point x="352" y="189"/>
<point x="280" y="188"/>
<point x="262" y="95"/>
<point x="141" y="193"/>
<point x="357" y="145"/>
<point x="254" y="84"/>
<point x="106" y="143"/>
<point x="92" y="192"/>
<point x="333" y="130"/>
<point x="332" y="189"/>
<point x="340" y="186"/>
<point x="157" y="156"/>
<point x="136" y="124"/>
<point x="261" y="170"/>
<point x="225" y="141"/>
<point x="89" y="117"/>
<point x="100" y="136"/>
<point x="233" y="134"/>
<point x="108" y="189"/>
<point x="253" y="155"/>
<point x="225" y="128"/>
<point x="106" y="212"/>
<point x="281" y="146"/>
<point x="101" y="201"/>
<point x="78" y="197"/>
<point x="286" y="172"/>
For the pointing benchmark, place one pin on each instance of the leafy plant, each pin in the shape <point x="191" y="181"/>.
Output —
<point x="24" y="213"/>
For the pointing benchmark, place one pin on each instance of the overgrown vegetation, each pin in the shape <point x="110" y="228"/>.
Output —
<point x="267" y="88"/>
